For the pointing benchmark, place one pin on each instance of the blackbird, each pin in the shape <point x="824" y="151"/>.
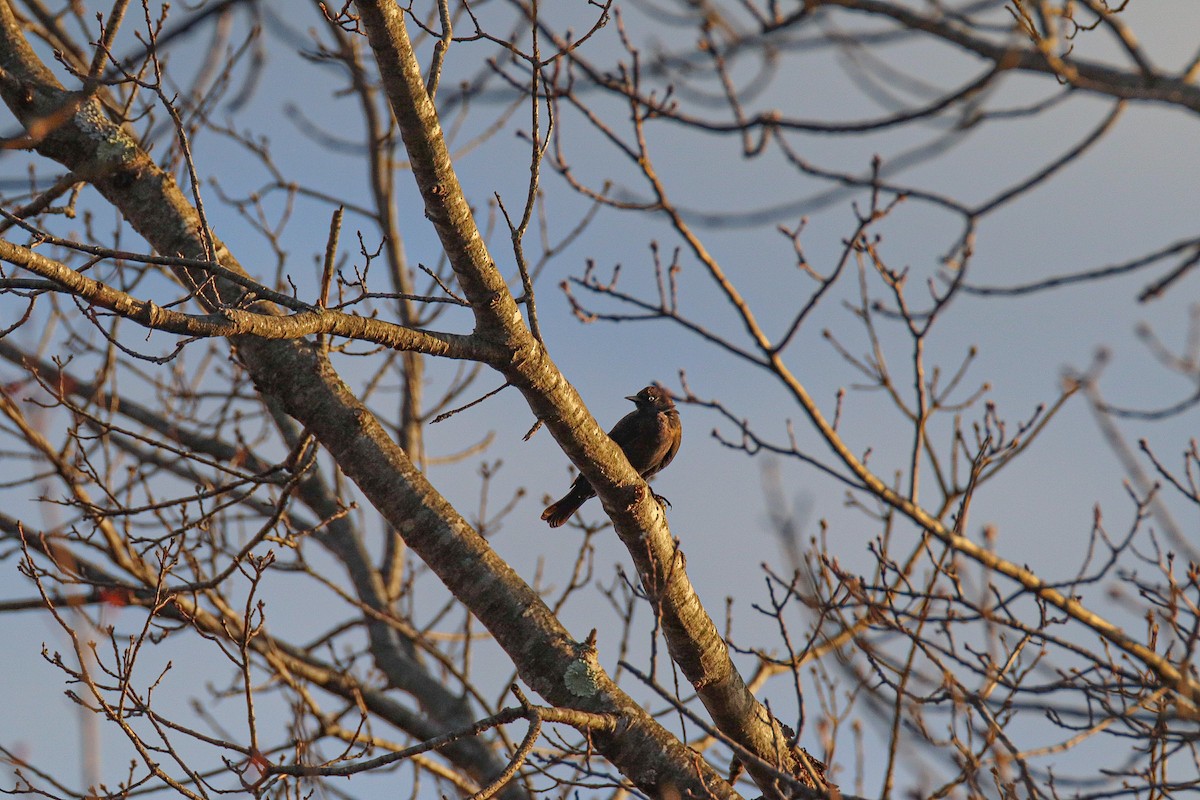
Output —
<point x="649" y="436"/>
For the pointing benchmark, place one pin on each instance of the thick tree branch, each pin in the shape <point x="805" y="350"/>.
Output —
<point x="692" y="637"/>
<point x="305" y="385"/>
<point x="235" y="322"/>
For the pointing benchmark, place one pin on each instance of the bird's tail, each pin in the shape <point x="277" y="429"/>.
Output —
<point x="558" y="513"/>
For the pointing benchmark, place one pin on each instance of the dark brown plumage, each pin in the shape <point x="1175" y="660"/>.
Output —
<point x="649" y="436"/>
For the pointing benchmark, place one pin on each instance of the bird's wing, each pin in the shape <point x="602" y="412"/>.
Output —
<point x="676" y="440"/>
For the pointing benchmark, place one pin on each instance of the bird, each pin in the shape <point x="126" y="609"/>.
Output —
<point x="649" y="436"/>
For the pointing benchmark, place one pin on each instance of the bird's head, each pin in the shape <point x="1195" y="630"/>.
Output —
<point x="654" y="396"/>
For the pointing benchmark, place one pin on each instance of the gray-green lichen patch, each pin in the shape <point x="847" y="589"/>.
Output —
<point x="112" y="143"/>
<point x="580" y="678"/>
